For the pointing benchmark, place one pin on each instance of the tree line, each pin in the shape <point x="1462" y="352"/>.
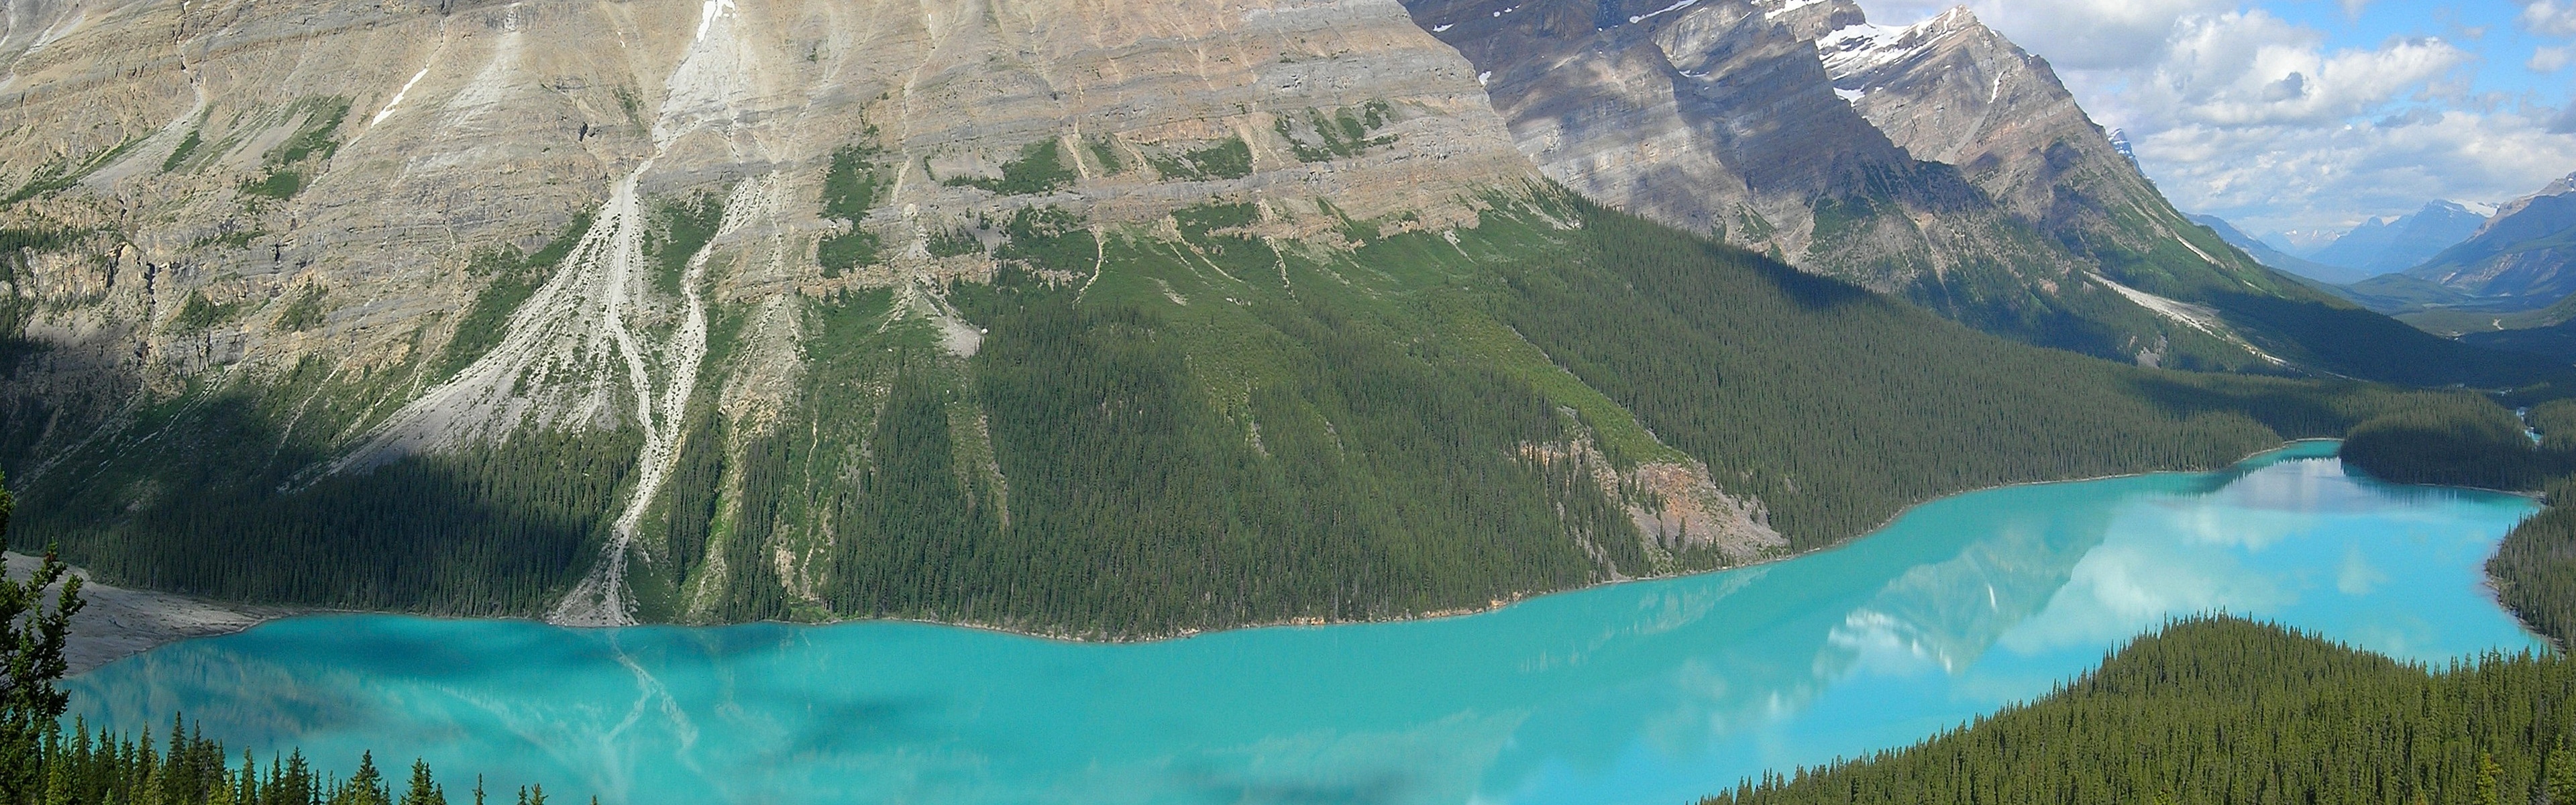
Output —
<point x="42" y="763"/>
<point x="2220" y="710"/>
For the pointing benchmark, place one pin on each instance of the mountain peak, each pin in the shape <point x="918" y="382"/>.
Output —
<point x="2564" y="185"/>
<point x="1863" y="46"/>
<point x="2516" y="251"/>
<point x="2478" y="209"/>
<point x="1811" y="19"/>
<point x="2390" y="243"/>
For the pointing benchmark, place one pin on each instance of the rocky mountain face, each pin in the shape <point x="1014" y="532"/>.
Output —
<point x="560" y="278"/>
<point x="1937" y="161"/>
<point x="1089" y="318"/>
<point x="2387" y="246"/>
<point x="2527" y="251"/>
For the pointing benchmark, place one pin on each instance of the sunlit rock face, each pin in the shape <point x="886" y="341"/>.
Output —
<point x="302" y="201"/>
<point x="1714" y="117"/>
<point x="246" y="154"/>
<point x="463" y="126"/>
<point x="1938" y="161"/>
<point x="1953" y="91"/>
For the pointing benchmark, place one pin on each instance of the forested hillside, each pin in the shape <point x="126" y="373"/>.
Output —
<point x="2226" y="711"/>
<point x="707" y="319"/>
<point x="1189" y="430"/>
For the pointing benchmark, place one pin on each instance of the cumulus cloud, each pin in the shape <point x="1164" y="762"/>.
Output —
<point x="2285" y="177"/>
<point x="2551" y="59"/>
<point x="2251" y="68"/>
<point x="2236" y="111"/>
<point x="2550" y="18"/>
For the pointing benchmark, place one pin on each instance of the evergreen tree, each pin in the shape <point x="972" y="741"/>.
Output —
<point x="2221" y="710"/>
<point x="2487" y="773"/>
<point x="365" y="787"/>
<point x="423" y="790"/>
<point x="31" y="661"/>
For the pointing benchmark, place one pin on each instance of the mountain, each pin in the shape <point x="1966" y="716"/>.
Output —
<point x="2276" y="259"/>
<point x="2511" y="276"/>
<point x="1936" y="161"/>
<point x="2524" y="253"/>
<point x="2387" y="246"/>
<point x="1086" y="320"/>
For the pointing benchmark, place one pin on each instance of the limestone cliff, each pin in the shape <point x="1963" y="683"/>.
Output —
<point x="1086" y="317"/>
<point x="1937" y="161"/>
<point x="339" y="244"/>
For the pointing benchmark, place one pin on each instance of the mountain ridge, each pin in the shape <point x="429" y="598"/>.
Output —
<point x="2272" y="257"/>
<point x="1086" y="320"/>
<point x="2516" y="253"/>
<point x="1802" y="131"/>
<point x="2387" y="246"/>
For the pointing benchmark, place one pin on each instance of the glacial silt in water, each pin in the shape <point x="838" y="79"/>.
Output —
<point x="1638" y="693"/>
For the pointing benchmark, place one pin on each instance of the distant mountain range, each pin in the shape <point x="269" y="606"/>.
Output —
<point x="2526" y="251"/>
<point x="2381" y="246"/>
<point x="2500" y="277"/>
<point x="2272" y="256"/>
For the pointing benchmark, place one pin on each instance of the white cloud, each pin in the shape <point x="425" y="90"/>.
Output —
<point x="2551" y="59"/>
<point x="2082" y="34"/>
<point x="2550" y="18"/>
<point x="2251" y="68"/>
<point x="2292" y="177"/>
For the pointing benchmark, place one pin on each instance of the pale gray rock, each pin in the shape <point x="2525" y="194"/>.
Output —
<point x="116" y="622"/>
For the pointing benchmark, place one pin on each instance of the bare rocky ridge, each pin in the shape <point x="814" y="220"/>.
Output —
<point x="1937" y="161"/>
<point x="330" y="240"/>
<point x="1713" y="118"/>
<point x="301" y="194"/>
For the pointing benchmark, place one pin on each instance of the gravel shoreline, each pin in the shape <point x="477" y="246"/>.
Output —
<point x="119" y="623"/>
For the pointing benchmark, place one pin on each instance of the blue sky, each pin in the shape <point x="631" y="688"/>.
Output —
<point x="2308" y="116"/>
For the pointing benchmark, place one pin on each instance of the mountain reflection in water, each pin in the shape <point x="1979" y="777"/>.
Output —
<point x="1648" y="692"/>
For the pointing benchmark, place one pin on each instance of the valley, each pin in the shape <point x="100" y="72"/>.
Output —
<point x="1176" y="400"/>
<point x="1146" y="340"/>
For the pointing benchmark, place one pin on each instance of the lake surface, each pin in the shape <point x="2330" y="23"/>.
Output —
<point x="1637" y="693"/>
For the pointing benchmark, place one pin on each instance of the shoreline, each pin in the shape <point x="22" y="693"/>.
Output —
<point x="169" y="614"/>
<point x="119" y="622"/>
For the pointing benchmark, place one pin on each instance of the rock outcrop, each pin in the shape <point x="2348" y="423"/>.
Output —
<point x="1937" y="161"/>
<point x="671" y="310"/>
<point x="350" y="240"/>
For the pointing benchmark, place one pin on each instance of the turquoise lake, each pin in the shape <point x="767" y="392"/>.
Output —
<point x="1654" y="692"/>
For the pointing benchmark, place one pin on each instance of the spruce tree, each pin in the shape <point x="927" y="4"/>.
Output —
<point x="366" y="786"/>
<point x="2487" y="773"/>
<point x="31" y="661"/>
<point x="2562" y="775"/>
<point x="423" y="790"/>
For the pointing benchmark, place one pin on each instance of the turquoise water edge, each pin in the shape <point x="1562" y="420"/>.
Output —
<point x="1651" y="692"/>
